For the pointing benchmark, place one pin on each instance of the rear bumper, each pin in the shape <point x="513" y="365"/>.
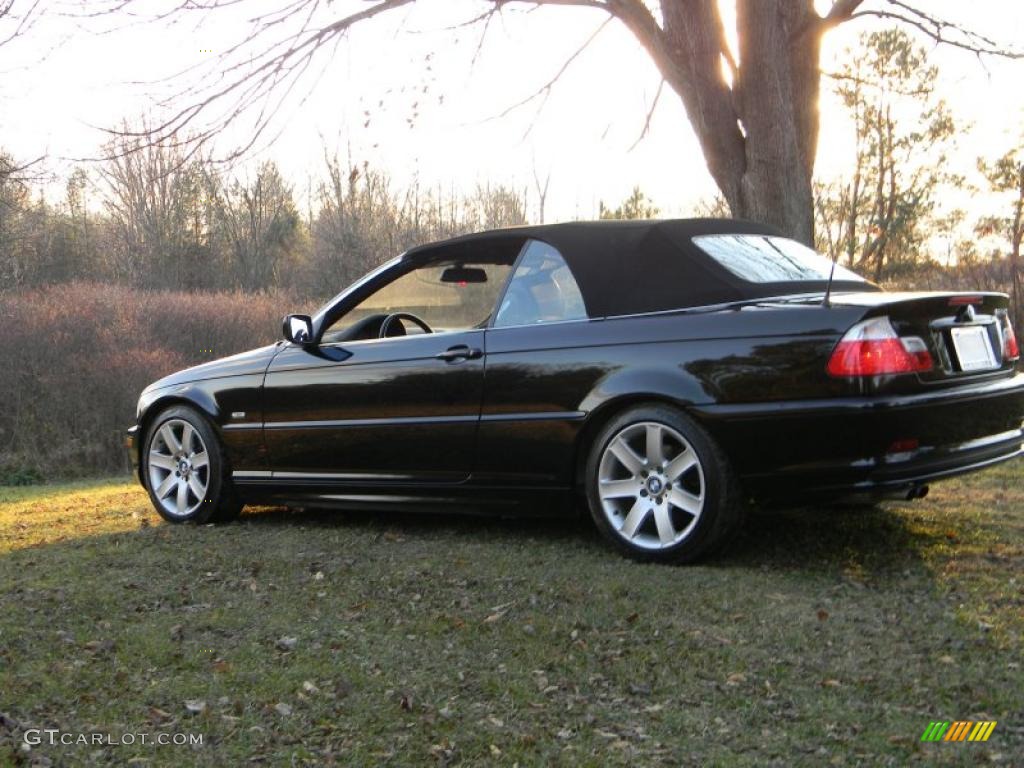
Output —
<point x="869" y="445"/>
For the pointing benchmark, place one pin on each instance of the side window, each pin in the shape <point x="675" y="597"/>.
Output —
<point x="542" y="290"/>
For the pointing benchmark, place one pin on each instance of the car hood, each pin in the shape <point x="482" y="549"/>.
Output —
<point x="253" y="361"/>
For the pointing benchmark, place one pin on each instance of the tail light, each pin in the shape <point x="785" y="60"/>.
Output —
<point x="1011" y="351"/>
<point x="873" y="348"/>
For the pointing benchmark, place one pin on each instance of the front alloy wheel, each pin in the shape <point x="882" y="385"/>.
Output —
<point x="185" y="469"/>
<point x="659" y="488"/>
<point x="179" y="468"/>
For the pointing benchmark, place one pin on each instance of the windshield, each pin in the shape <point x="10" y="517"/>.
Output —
<point x="448" y="296"/>
<point x="322" y="311"/>
<point x="768" y="259"/>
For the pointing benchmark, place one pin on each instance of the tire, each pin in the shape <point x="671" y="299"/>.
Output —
<point x="185" y="469"/>
<point x="689" y="508"/>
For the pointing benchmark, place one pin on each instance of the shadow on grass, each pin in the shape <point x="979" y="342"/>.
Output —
<point x="871" y="538"/>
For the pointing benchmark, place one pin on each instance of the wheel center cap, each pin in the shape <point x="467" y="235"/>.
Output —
<point x="183" y="466"/>
<point x="655" y="485"/>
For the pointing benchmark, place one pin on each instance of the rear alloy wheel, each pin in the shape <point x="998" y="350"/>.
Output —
<point x="659" y="488"/>
<point x="184" y="470"/>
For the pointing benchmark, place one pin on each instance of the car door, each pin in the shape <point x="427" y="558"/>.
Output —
<point x="543" y="355"/>
<point x="399" y="409"/>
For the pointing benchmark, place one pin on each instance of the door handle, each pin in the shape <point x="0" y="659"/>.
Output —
<point x="461" y="352"/>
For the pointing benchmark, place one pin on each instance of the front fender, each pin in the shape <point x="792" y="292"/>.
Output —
<point x="184" y="394"/>
<point x="231" y="404"/>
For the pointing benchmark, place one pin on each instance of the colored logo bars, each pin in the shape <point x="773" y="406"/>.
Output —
<point x="961" y="730"/>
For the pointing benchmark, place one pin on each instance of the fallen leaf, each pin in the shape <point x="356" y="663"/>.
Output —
<point x="282" y="709"/>
<point x="99" y="646"/>
<point x="822" y="614"/>
<point x="287" y="643"/>
<point x="309" y="687"/>
<point x="195" y="706"/>
<point x="830" y="683"/>
<point x="406" y="702"/>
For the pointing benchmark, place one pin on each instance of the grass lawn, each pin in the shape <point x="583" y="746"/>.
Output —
<point x="355" y="639"/>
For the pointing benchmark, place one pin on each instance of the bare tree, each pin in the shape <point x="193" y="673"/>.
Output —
<point x="494" y="206"/>
<point x="160" y="208"/>
<point x="261" y="226"/>
<point x="754" y="110"/>
<point x="14" y="197"/>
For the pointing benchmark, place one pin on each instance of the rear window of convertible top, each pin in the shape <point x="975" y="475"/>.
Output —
<point x="769" y="259"/>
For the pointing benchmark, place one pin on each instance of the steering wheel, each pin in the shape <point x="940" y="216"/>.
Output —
<point x="391" y="319"/>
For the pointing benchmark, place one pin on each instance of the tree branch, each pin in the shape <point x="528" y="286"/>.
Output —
<point x="279" y="66"/>
<point x="841" y="10"/>
<point x="650" y="114"/>
<point x="24" y="22"/>
<point x="941" y="31"/>
<point x="545" y="89"/>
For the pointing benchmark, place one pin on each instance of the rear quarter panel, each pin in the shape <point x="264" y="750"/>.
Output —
<point x="549" y="387"/>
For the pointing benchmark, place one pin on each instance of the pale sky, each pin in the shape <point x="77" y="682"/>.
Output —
<point x="582" y="135"/>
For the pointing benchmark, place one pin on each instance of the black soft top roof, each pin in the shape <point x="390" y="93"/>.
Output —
<point x="629" y="267"/>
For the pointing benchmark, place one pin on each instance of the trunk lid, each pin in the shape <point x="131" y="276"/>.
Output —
<point x="964" y="332"/>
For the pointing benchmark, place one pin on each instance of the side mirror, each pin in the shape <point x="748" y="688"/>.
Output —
<point x="297" y="329"/>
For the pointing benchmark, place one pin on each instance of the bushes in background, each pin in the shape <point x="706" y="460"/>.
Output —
<point x="76" y="356"/>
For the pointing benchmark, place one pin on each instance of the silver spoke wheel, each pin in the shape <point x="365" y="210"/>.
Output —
<point x="651" y="485"/>
<point x="179" y="468"/>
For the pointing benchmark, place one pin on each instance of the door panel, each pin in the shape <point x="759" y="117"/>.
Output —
<point x="387" y="409"/>
<point x="537" y="377"/>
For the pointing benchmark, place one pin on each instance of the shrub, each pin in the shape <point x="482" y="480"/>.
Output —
<point x="76" y="357"/>
<point x="18" y="476"/>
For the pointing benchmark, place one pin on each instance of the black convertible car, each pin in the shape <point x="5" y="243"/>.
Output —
<point x="668" y="371"/>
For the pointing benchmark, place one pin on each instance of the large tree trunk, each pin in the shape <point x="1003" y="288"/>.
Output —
<point x="759" y="135"/>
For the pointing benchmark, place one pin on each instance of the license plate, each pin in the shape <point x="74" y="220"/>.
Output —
<point x="973" y="348"/>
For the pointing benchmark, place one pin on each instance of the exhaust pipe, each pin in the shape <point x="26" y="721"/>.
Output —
<point x="917" y="492"/>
